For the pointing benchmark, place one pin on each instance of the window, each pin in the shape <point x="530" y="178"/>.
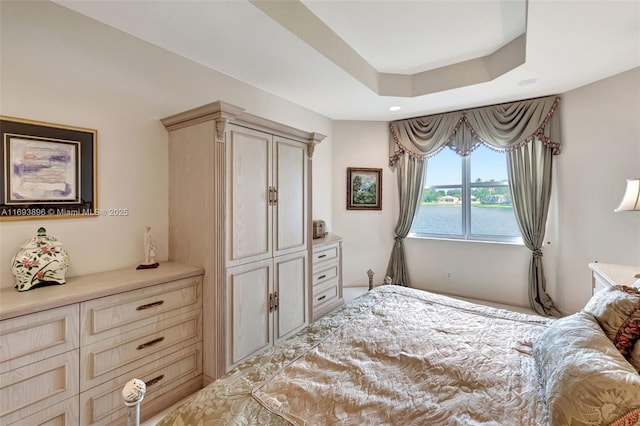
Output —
<point x="467" y="198"/>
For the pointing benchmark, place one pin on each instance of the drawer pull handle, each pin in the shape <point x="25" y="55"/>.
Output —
<point x="322" y="297"/>
<point x="321" y="256"/>
<point x="322" y="276"/>
<point x="149" y="305"/>
<point x="154" y="380"/>
<point x="150" y="343"/>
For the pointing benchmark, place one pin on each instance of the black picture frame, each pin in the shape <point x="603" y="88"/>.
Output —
<point x="49" y="171"/>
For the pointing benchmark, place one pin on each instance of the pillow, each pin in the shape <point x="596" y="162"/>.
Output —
<point x="630" y="419"/>
<point x="585" y="379"/>
<point x="617" y="310"/>
<point x="635" y="357"/>
<point x="627" y="336"/>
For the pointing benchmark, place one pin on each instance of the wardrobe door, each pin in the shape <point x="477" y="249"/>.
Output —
<point x="249" y="310"/>
<point x="249" y="195"/>
<point x="290" y="181"/>
<point x="291" y="293"/>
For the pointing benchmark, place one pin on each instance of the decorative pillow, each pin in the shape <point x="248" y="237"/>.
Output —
<point x="630" y="419"/>
<point x="617" y="310"/>
<point x="585" y="379"/>
<point x="627" y="336"/>
<point x="635" y="357"/>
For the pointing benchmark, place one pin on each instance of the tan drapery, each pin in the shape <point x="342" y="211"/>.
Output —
<point x="530" y="168"/>
<point x="511" y="128"/>
<point x="410" y="173"/>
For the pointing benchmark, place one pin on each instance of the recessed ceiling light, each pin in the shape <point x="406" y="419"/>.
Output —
<point x="527" y="81"/>
<point x="394" y="108"/>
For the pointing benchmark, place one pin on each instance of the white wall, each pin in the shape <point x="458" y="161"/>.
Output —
<point x="61" y="67"/>
<point x="582" y="227"/>
<point x="601" y="149"/>
<point x="367" y="233"/>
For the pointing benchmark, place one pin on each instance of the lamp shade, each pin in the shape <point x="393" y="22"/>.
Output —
<point x="631" y="197"/>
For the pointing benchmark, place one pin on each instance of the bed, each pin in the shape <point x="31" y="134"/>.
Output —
<point x="399" y="356"/>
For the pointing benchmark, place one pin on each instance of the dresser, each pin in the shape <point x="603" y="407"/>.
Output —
<point x="326" y="292"/>
<point x="240" y="207"/>
<point x="67" y="351"/>
<point x="608" y="274"/>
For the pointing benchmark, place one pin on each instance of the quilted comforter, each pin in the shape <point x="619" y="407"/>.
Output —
<point x="395" y="356"/>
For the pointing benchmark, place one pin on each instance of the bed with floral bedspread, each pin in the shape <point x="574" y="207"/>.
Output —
<point x="399" y="356"/>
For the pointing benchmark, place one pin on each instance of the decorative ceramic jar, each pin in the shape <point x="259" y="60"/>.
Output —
<point x="41" y="261"/>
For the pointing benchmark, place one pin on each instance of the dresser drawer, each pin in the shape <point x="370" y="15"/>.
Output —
<point x="325" y="253"/>
<point x="102" y="405"/>
<point x="63" y="414"/>
<point x="112" y="315"/>
<point x="325" y="293"/>
<point x="326" y="273"/>
<point x="109" y="358"/>
<point x="29" y="338"/>
<point x="37" y="386"/>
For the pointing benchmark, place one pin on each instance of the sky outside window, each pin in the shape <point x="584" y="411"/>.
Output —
<point x="445" y="167"/>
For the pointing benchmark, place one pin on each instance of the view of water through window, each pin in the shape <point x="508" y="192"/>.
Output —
<point x="447" y="220"/>
<point x="489" y="200"/>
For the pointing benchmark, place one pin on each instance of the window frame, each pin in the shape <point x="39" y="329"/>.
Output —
<point x="466" y="189"/>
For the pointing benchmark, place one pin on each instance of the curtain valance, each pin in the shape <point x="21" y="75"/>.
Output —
<point x="504" y="127"/>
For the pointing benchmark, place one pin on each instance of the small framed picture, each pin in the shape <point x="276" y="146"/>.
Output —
<point x="48" y="170"/>
<point x="364" y="188"/>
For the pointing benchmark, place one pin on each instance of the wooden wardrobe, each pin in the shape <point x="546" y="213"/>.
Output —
<point x="240" y="207"/>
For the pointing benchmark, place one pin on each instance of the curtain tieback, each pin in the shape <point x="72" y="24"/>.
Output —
<point x="537" y="253"/>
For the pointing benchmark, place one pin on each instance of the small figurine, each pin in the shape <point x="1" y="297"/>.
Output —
<point x="388" y="280"/>
<point x="149" y="251"/>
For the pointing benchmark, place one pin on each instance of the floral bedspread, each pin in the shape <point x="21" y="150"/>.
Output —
<point x="393" y="356"/>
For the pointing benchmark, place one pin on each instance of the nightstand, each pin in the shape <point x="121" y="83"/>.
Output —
<point x="609" y="274"/>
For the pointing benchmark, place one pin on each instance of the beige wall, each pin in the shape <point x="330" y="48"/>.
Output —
<point x="58" y="66"/>
<point x="601" y="148"/>
<point x="367" y="234"/>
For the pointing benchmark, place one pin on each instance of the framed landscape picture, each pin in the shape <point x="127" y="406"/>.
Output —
<point x="364" y="188"/>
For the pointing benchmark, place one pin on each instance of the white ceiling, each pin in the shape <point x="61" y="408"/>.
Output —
<point x="411" y="36"/>
<point x="335" y="57"/>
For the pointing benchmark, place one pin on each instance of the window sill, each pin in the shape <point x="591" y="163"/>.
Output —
<point x="460" y="240"/>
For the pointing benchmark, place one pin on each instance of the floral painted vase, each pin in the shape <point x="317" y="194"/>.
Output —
<point x="41" y="261"/>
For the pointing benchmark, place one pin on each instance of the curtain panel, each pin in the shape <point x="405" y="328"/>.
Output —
<point x="528" y="131"/>
<point x="410" y="172"/>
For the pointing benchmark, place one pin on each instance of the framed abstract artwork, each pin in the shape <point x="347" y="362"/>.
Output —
<point x="364" y="188"/>
<point x="48" y="170"/>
